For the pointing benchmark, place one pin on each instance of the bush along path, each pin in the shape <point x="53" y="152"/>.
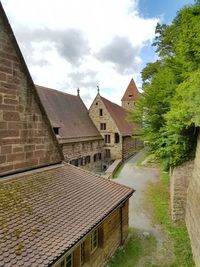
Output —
<point x="153" y="240"/>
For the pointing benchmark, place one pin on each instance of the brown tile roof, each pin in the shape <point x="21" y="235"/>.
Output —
<point x="67" y="112"/>
<point x="131" y="93"/>
<point x="119" y="115"/>
<point x="44" y="213"/>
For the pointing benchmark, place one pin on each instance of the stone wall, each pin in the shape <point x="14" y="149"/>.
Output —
<point x="193" y="208"/>
<point x="130" y="146"/>
<point x="83" y="149"/>
<point x="129" y="105"/>
<point x="112" y="232"/>
<point x="26" y="138"/>
<point x="179" y="182"/>
<point x="111" y="128"/>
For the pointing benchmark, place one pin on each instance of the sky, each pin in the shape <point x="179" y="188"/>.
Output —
<point x="70" y="44"/>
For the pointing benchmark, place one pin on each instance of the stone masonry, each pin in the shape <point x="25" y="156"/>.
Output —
<point x="84" y="149"/>
<point x="25" y="134"/>
<point x="193" y="207"/>
<point x="179" y="182"/>
<point x="111" y="128"/>
<point x="130" y="146"/>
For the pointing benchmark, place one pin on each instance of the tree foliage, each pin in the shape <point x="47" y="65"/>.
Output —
<point x="169" y="107"/>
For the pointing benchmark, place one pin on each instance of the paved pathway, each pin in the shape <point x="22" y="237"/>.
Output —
<point x="137" y="178"/>
<point x="139" y="217"/>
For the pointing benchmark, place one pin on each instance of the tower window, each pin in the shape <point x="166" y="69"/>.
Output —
<point x="100" y="112"/>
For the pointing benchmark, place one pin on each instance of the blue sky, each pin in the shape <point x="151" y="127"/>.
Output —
<point x="166" y="11"/>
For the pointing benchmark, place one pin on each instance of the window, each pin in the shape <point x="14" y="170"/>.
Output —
<point x="62" y="263"/>
<point x="100" y="112"/>
<point x="56" y="130"/>
<point x="74" y="162"/>
<point x="83" y="258"/>
<point x="96" y="103"/>
<point x="94" y="240"/>
<point x="102" y="126"/>
<point x="116" y="138"/>
<point x="107" y="153"/>
<point x="107" y="138"/>
<point x="97" y="157"/>
<point x="80" y="162"/>
<point x="69" y="261"/>
<point x="87" y="159"/>
<point x="130" y="95"/>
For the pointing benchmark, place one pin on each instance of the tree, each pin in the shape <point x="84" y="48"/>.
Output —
<point x="169" y="109"/>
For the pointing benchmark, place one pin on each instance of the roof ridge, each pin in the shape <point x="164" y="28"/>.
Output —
<point x="53" y="89"/>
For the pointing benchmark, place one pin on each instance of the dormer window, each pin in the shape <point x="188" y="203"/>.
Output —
<point x="56" y="130"/>
<point x="130" y="96"/>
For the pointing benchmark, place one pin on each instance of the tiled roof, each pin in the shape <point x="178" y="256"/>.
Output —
<point x="131" y="93"/>
<point x="119" y="115"/>
<point x="67" y="112"/>
<point x="44" y="213"/>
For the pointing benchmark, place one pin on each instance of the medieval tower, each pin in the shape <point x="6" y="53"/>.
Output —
<point x="130" y="96"/>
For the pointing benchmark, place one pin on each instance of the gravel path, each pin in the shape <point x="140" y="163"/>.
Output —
<point x="140" y="218"/>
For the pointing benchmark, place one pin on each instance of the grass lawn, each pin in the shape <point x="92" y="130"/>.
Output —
<point x="141" y="159"/>
<point x="137" y="247"/>
<point x="157" y="199"/>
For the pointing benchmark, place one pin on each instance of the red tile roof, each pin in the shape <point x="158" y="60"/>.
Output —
<point x="67" y="112"/>
<point x="44" y="213"/>
<point x="119" y="115"/>
<point x="131" y="93"/>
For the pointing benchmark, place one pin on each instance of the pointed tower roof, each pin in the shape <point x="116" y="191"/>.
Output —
<point x="131" y="93"/>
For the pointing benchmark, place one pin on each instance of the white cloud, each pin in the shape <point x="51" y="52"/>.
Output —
<point x="60" y="40"/>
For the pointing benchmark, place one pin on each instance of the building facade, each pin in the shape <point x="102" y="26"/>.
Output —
<point x="99" y="244"/>
<point x="112" y="122"/>
<point x="81" y="143"/>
